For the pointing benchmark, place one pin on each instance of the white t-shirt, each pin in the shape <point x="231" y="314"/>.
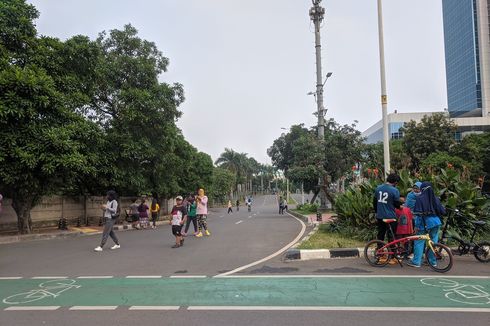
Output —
<point x="177" y="217"/>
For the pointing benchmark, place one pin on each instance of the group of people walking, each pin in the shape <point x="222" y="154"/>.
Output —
<point x="419" y="213"/>
<point x="194" y="209"/>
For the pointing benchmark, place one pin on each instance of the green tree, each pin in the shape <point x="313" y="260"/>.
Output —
<point x="43" y="142"/>
<point x="432" y="134"/>
<point x="475" y="150"/>
<point x="223" y="182"/>
<point x="138" y="114"/>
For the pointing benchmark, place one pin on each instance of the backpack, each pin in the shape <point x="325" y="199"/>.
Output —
<point x="118" y="210"/>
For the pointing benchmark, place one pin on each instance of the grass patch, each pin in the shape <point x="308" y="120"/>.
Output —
<point x="307" y="212"/>
<point x="326" y="239"/>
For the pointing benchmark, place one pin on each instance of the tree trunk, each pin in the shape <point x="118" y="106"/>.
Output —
<point x="315" y="194"/>
<point x="22" y="206"/>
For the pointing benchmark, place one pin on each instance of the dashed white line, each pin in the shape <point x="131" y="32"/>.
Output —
<point x="48" y="277"/>
<point x="31" y="308"/>
<point x="94" y="277"/>
<point x="93" y="308"/>
<point x="154" y="308"/>
<point x="10" y="278"/>
<point x="239" y="222"/>
<point x="144" y="276"/>
<point x="188" y="276"/>
<point x="250" y="217"/>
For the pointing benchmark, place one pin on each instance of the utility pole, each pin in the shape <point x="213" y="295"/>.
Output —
<point x="316" y="14"/>
<point x="384" y="96"/>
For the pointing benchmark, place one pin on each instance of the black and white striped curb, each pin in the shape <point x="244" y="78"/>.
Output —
<point x="309" y="254"/>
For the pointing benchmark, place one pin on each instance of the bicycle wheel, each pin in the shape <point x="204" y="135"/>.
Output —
<point x="444" y="258"/>
<point x="25" y="297"/>
<point x="375" y="257"/>
<point x="482" y="251"/>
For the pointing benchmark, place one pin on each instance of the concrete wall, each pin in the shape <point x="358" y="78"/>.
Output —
<point x="52" y="208"/>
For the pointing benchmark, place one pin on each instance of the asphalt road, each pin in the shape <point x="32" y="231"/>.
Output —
<point x="236" y="239"/>
<point x="179" y="286"/>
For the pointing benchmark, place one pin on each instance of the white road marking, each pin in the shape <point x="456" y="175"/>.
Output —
<point x="222" y="216"/>
<point x="10" y="277"/>
<point x="280" y="251"/>
<point x="352" y="276"/>
<point x="188" y="276"/>
<point x="93" y="308"/>
<point x="94" y="277"/>
<point x="31" y="308"/>
<point x="154" y="308"/>
<point x="331" y="308"/>
<point x="144" y="276"/>
<point x="48" y="277"/>
<point x="239" y="222"/>
<point x="250" y="217"/>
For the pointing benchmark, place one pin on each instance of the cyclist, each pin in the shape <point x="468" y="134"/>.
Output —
<point x="427" y="210"/>
<point x="386" y="199"/>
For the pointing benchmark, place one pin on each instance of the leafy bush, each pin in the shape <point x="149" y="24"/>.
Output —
<point x="355" y="212"/>
<point x="307" y="208"/>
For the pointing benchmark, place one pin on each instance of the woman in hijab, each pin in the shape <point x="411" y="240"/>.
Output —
<point x="428" y="209"/>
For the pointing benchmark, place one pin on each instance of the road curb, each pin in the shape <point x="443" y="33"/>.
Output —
<point x="310" y="254"/>
<point x="63" y="234"/>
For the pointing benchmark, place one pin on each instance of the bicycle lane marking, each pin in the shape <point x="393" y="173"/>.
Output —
<point x="330" y="293"/>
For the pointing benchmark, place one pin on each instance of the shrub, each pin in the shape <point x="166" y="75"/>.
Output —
<point x="307" y="207"/>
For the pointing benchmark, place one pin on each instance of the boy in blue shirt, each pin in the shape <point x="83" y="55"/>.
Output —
<point x="386" y="199"/>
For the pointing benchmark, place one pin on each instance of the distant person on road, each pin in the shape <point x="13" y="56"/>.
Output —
<point x="111" y="214"/>
<point x="281" y="205"/>
<point x="230" y="207"/>
<point x="179" y="216"/>
<point x="143" y="211"/>
<point x="412" y="195"/>
<point x="1" y="203"/>
<point x="237" y="205"/>
<point x="155" y="210"/>
<point x="202" y="213"/>
<point x="191" y="215"/>
<point x="386" y="199"/>
<point x="135" y="215"/>
<point x="428" y="209"/>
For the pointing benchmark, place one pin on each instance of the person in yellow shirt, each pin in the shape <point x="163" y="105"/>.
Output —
<point x="230" y="207"/>
<point x="155" y="210"/>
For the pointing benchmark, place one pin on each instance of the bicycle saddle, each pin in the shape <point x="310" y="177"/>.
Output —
<point x="391" y="220"/>
<point x="479" y="223"/>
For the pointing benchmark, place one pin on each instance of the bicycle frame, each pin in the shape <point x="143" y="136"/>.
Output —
<point x="404" y="240"/>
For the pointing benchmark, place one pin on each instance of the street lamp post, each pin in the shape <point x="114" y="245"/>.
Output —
<point x="316" y="14"/>
<point x="384" y="97"/>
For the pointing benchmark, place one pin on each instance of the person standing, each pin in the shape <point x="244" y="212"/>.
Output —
<point x="412" y="195"/>
<point x="428" y="209"/>
<point x="202" y="212"/>
<point x="1" y="203"/>
<point x="155" y="210"/>
<point x="230" y="207"/>
<point x="179" y="216"/>
<point x="191" y="215"/>
<point x="237" y="205"/>
<point x="135" y="215"/>
<point x="143" y="211"/>
<point x="111" y="214"/>
<point x="386" y="199"/>
<point x="281" y="205"/>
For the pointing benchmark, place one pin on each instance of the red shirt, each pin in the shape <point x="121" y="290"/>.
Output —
<point x="404" y="217"/>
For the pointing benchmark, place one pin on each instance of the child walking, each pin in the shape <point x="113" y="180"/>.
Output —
<point x="179" y="217"/>
<point x="191" y="215"/>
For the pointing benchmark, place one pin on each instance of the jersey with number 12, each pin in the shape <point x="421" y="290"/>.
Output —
<point x="386" y="195"/>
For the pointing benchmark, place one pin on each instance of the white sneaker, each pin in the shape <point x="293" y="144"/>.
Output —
<point x="99" y="249"/>
<point x="115" y="247"/>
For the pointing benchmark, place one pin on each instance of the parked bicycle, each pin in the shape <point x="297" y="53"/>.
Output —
<point x="480" y="250"/>
<point x="379" y="253"/>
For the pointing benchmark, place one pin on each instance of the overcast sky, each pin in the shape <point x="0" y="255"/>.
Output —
<point x="246" y="65"/>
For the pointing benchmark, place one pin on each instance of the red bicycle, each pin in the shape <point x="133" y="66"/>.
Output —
<point x="379" y="253"/>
